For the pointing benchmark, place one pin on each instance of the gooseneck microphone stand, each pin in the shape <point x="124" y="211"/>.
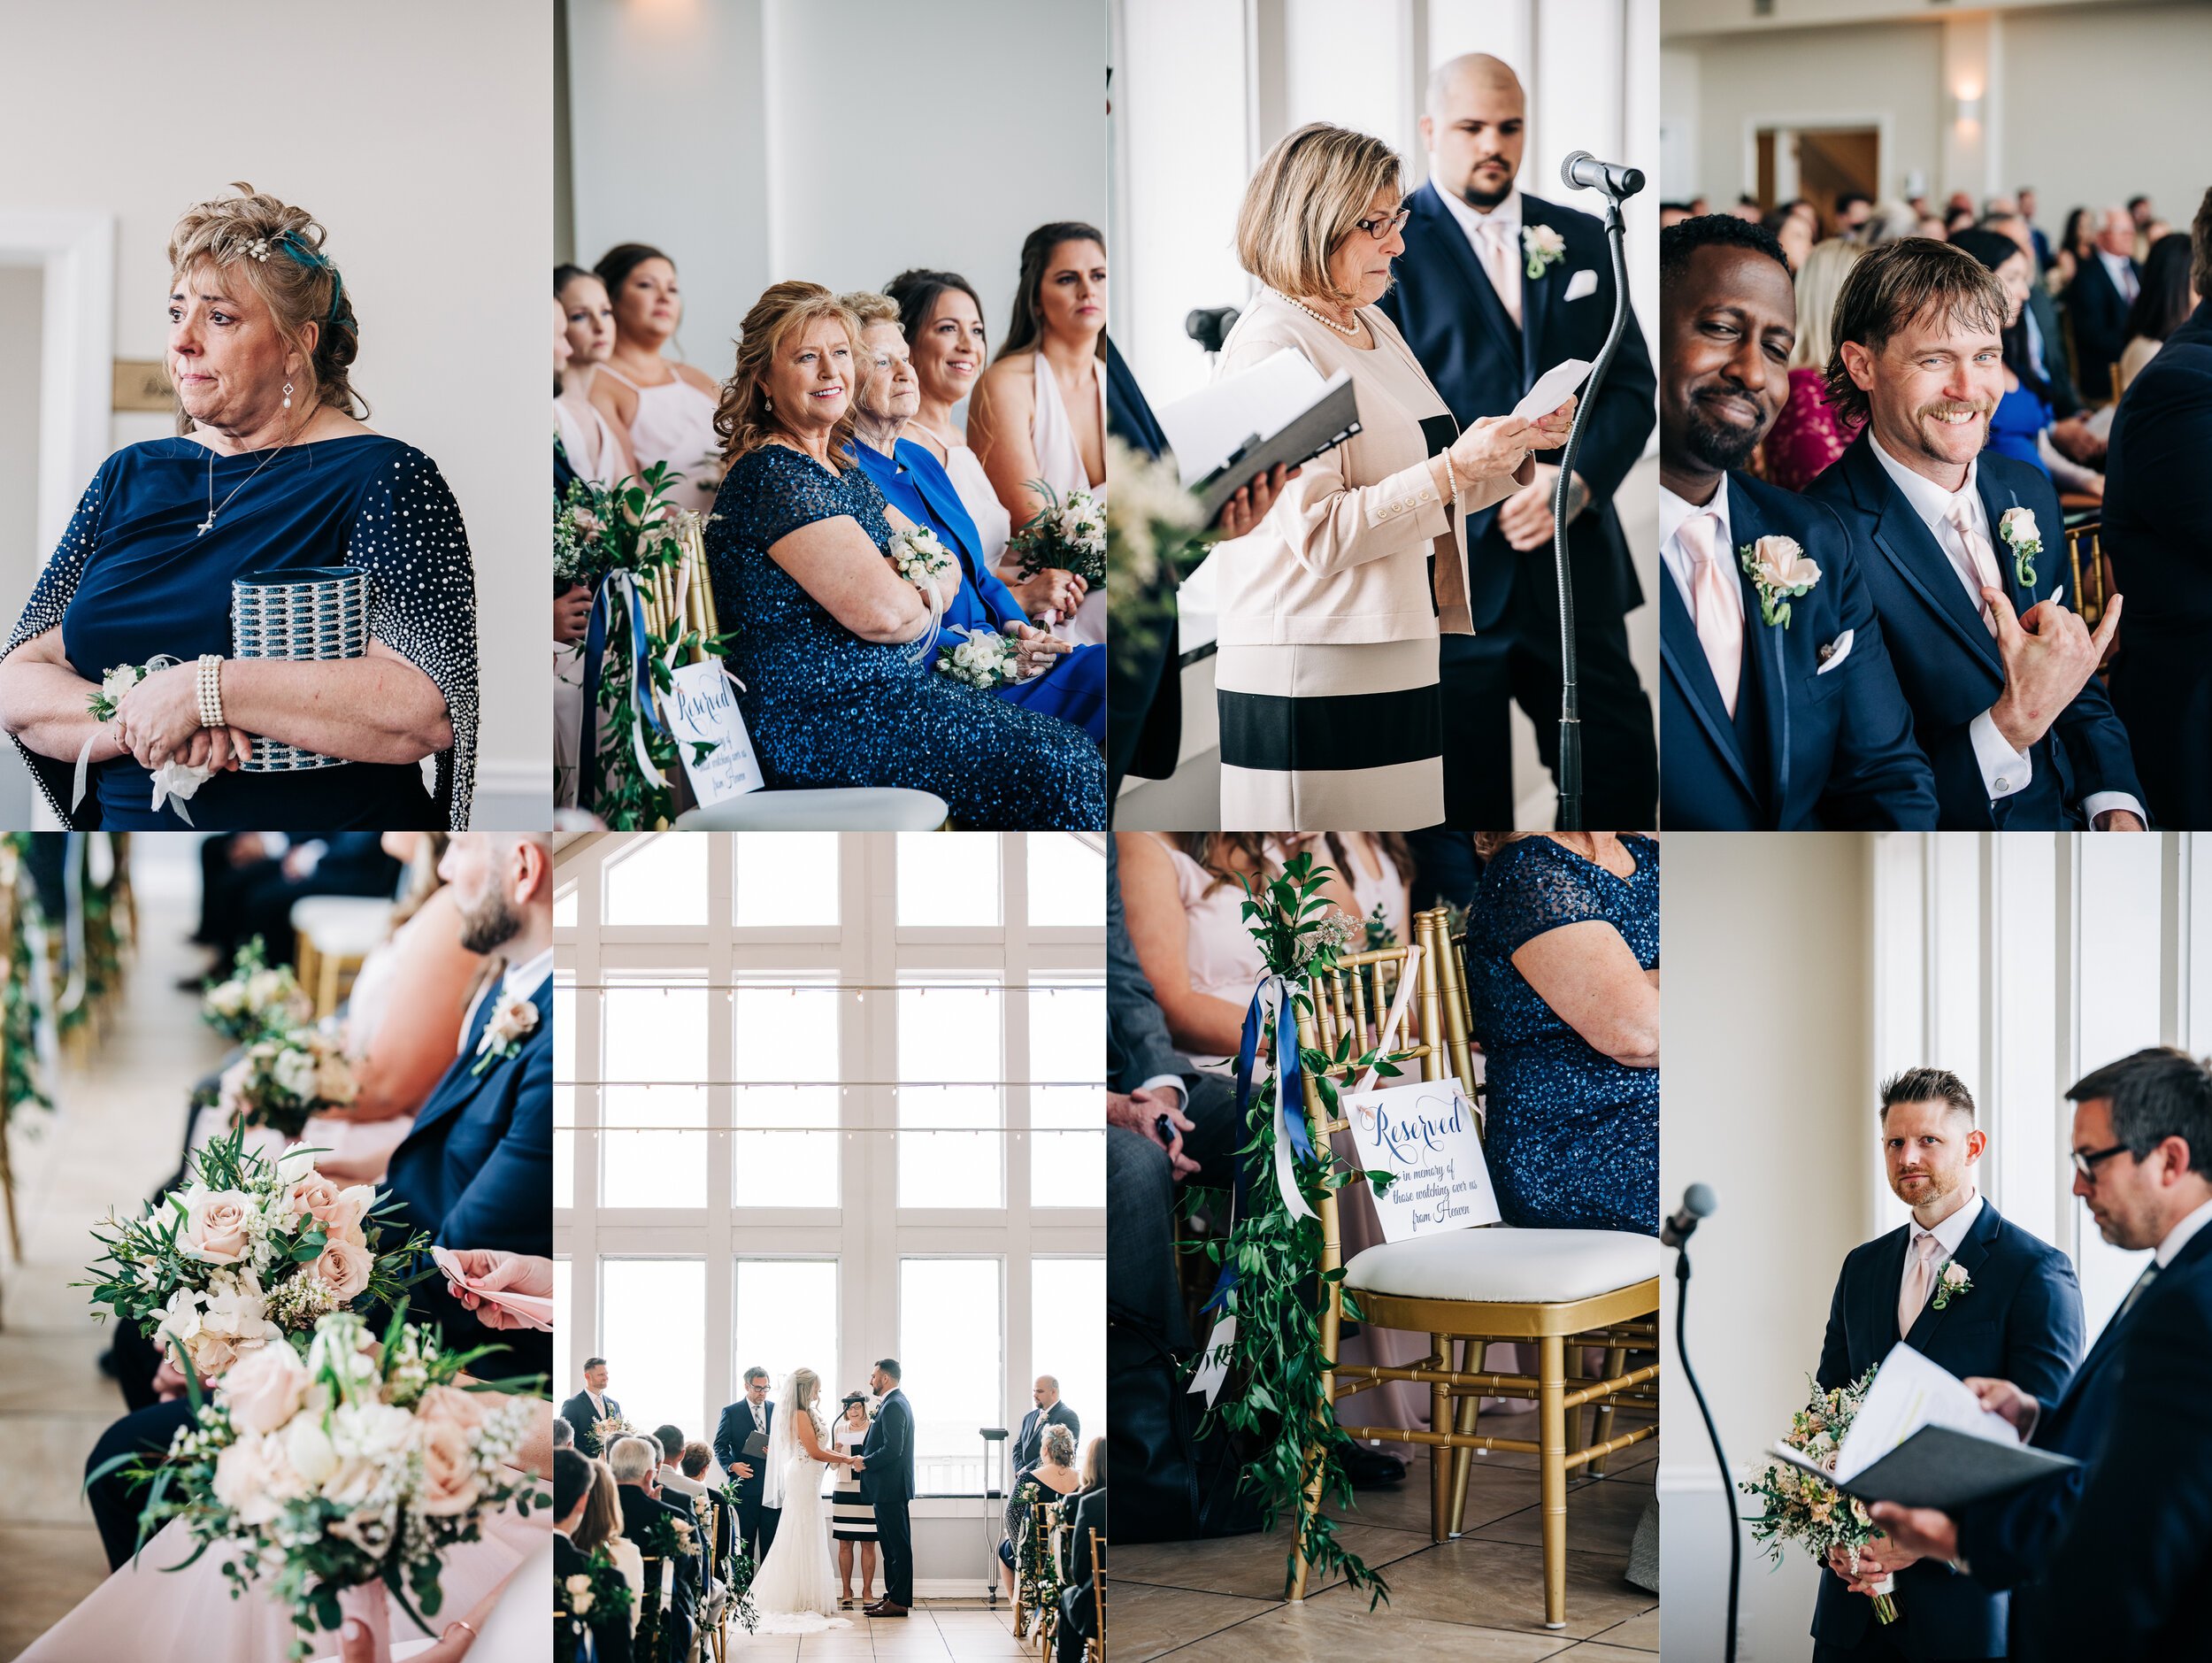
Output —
<point x="1579" y="171"/>
<point x="1675" y="1233"/>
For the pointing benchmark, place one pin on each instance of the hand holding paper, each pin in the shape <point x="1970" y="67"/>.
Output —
<point x="1552" y="388"/>
<point x="507" y="1290"/>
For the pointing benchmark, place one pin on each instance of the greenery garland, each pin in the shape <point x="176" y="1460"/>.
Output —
<point x="1273" y="1403"/>
<point x="19" y="1083"/>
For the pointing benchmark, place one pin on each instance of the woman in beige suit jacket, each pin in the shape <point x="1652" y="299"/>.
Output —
<point x="1333" y="607"/>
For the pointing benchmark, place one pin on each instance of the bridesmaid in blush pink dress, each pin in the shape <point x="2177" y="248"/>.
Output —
<point x="664" y="407"/>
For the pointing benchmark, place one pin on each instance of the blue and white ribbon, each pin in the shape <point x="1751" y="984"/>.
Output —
<point x="641" y="708"/>
<point x="1271" y="1007"/>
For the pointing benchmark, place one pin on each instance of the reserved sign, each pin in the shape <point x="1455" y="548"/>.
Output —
<point x="702" y="709"/>
<point x="1424" y="1136"/>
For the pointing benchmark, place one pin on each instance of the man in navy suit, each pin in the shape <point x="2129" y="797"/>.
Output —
<point x="1789" y="726"/>
<point x="886" y="1484"/>
<point x="2142" y="1153"/>
<point x="2098" y="301"/>
<point x="476" y="1171"/>
<point x="1485" y="328"/>
<point x="1029" y="1442"/>
<point x="2017" y="1314"/>
<point x="2158" y="530"/>
<point x="1961" y="551"/>
<point x="756" y="1524"/>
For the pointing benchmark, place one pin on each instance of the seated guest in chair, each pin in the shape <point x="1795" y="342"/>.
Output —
<point x="1771" y="724"/>
<point x="2158" y="530"/>
<point x="634" y="1462"/>
<point x="1963" y="552"/>
<point x="1059" y="677"/>
<point x="2098" y="300"/>
<point x="2022" y="426"/>
<point x="828" y="634"/>
<point x="1970" y="1291"/>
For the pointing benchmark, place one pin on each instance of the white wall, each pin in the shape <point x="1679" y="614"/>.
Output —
<point x="837" y="140"/>
<point x="416" y="131"/>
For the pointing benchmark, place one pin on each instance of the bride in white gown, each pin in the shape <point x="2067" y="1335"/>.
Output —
<point x="796" y="1589"/>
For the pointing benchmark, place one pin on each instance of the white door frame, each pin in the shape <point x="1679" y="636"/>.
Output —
<point x="75" y="250"/>
<point x="1881" y="121"/>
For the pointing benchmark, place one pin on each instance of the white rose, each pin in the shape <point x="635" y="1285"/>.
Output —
<point x="294" y="1072"/>
<point x="254" y="1479"/>
<point x="227" y="999"/>
<point x="307" y="1445"/>
<point x="2017" y="526"/>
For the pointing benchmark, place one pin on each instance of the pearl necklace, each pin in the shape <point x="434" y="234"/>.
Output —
<point x="1349" y="330"/>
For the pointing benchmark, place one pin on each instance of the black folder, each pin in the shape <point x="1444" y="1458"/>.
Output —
<point x="1320" y="426"/>
<point x="756" y="1445"/>
<point x="1941" y="1467"/>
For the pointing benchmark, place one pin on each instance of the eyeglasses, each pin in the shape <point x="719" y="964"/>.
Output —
<point x="1380" y="228"/>
<point x="2087" y="1163"/>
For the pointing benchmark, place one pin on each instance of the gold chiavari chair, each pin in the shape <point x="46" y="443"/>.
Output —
<point x="1468" y="1288"/>
<point x="1094" y="1648"/>
<point x="649" y="1647"/>
<point x="2090" y="572"/>
<point x="718" y="1557"/>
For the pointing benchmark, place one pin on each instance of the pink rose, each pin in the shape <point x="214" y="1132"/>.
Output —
<point x="215" y="1226"/>
<point x="344" y="1220"/>
<point x="265" y="1389"/>
<point x="449" y="1469"/>
<point x="313" y="1195"/>
<point x="345" y="1266"/>
<point x="449" y="1405"/>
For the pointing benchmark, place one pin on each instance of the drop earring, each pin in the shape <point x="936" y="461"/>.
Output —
<point x="288" y="395"/>
<point x="767" y="403"/>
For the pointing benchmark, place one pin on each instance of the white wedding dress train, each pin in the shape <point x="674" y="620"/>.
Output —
<point x="795" y="1590"/>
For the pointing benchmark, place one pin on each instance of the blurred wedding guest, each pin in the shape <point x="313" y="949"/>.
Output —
<point x="2076" y="243"/>
<point x="1332" y="608"/>
<point x="272" y="470"/>
<point x="250" y="880"/>
<point x="2045" y="356"/>
<point x="597" y="449"/>
<point x="1055" y="1476"/>
<point x="1789" y="229"/>
<point x="1854" y="209"/>
<point x="662" y="409"/>
<point x="1960" y="217"/>
<point x="1493" y="287"/>
<point x="1766" y="728"/>
<point x="2001" y="677"/>
<point x="829" y="636"/>
<point x="2158" y="532"/>
<point x="581" y="1514"/>
<point x="1563" y="946"/>
<point x="2020" y="423"/>
<point x="1078" y="1595"/>
<point x="1038" y="412"/>
<point x="2168" y="297"/>
<point x="1808" y="434"/>
<point x="601" y="1526"/>
<point x="2098" y="302"/>
<point x="634" y="1462"/>
<point x="572" y="436"/>
<point x="1892" y="220"/>
<point x="2038" y="242"/>
<point x="1057" y="678"/>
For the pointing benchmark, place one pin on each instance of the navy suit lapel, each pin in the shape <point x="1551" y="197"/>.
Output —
<point x="1769" y="648"/>
<point x="461" y="1084"/>
<point x="1536" y="292"/>
<point x="1445" y="231"/>
<point x="1971" y="1253"/>
<point x="1996" y="499"/>
<point x="1904" y="540"/>
<point x="1684" y="657"/>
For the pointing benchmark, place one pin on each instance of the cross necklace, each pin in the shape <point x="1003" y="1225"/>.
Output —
<point x="208" y="525"/>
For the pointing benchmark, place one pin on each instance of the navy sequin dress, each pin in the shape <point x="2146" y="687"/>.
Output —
<point x="1570" y="1136"/>
<point x="827" y="709"/>
<point x="134" y="579"/>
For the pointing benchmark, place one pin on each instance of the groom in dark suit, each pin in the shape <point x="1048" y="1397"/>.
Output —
<point x="590" y="1406"/>
<point x="1999" y="675"/>
<point x="1796" y="725"/>
<point x="1496" y="286"/>
<point x="756" y="1524"/>
<point x="2015" y="1313"/>
<point x="887" y="1482"/>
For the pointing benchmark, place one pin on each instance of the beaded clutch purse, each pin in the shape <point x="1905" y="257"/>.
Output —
<point x="303" y="612"/>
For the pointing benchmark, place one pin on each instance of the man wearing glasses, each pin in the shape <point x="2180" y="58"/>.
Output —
<point x="2103" y="1559"/>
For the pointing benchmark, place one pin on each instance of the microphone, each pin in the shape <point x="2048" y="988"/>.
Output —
<point x="1697" y="1203"/>
<point x="1583" y="172"/>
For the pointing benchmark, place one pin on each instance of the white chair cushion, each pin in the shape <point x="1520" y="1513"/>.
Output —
<point x="1508" y="1265"/>
<point x="862" y="808"/>
<point x="342" y="924"/>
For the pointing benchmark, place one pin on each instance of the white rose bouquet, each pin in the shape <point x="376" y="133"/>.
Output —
<point x="1799" y="1507"/>
<point x="919" y="558"/>
<point x="343" y="1479"/>
<point x="174" y="782"/>
<point x="285" y="1077"/>
<point x="1069" y="533"/>
<point x="249" y="1250"/>
<point x="985" y="660"/>
<point x="255" y="998"/>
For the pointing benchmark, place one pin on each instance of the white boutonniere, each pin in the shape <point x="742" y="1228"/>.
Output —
<point x="513" y="1020"/>
<point x="1542" y="246"/>
<point x="1780" y="570"/>
<point x="2018" y="528"/>
<point x="1952" y="1282"/>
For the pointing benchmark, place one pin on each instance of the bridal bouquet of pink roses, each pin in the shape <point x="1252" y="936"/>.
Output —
<point x="1795" y="1506"/>
<point x="341" y="1479"/>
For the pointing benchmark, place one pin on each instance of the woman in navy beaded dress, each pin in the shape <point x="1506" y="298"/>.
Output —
<point x="1563" y="952"/>
<point x="271" y="472"/>
<point x="824" y="625"/>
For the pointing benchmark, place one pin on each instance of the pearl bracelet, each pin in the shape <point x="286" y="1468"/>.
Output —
<point x="210" y="689"/>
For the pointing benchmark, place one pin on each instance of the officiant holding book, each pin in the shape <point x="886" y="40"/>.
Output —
<point x="741" y="1445"/>
<point x="1970" y="1290"/>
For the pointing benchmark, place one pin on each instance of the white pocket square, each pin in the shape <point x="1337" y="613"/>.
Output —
<point x="1834" y="653"/>
<point x="1583" y="282"/>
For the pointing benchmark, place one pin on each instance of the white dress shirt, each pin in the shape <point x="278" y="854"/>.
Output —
<point x="1949" y="1234"/>
<point x="2179" y="1236"/>
<point x="2004" y="770"/>
<point x="1506" y="215"/>
<point x="2121" y="270"/>
<point x="523" y="981"/>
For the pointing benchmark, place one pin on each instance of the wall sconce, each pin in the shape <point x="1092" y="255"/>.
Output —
<point x="1964" y="111"/>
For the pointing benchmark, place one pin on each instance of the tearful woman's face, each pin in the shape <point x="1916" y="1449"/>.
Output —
<point x="225" y="358"/>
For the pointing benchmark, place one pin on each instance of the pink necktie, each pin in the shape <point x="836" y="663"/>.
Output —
<point x="1719" y="612"/>
<point x="1497" y="258"/>
<point x="1986" y="575"/>
<point x="1919" y="1279"/>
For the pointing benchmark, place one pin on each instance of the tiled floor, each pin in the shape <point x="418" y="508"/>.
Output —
<point x="1479" y="1598"/>
<point x="116" y="1136"/>
<point x="940" y="1631"/>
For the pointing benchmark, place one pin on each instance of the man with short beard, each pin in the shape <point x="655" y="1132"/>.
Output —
<point x="1768" y="725"/>
<point x="1975" y="1294"/>
<point x="1999" y="675"/>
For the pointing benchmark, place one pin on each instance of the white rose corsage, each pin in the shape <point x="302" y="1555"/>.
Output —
<point x="2018" y="528"/>
<point x="175" y="782"/>
<point x="1780" y="570"/>
<point x="513" y="1020"/>
<point x="917" y="555"/>
<point x="984" y="660"/>
<point x="1952" y="1282"/>
<point x="1542" y="246"/>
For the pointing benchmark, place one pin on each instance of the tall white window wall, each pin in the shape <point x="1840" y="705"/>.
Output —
<point x="823" y="1099"/>
<point x="2021" y="962"/>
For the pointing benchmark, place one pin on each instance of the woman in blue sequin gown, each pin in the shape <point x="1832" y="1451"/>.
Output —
<point x="794" y="555"/>
<point x="1571" y="1131"/>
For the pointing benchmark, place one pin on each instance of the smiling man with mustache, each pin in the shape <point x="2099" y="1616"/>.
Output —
<point x="1768" y="725"/>
<point x="2000" y="674"/>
